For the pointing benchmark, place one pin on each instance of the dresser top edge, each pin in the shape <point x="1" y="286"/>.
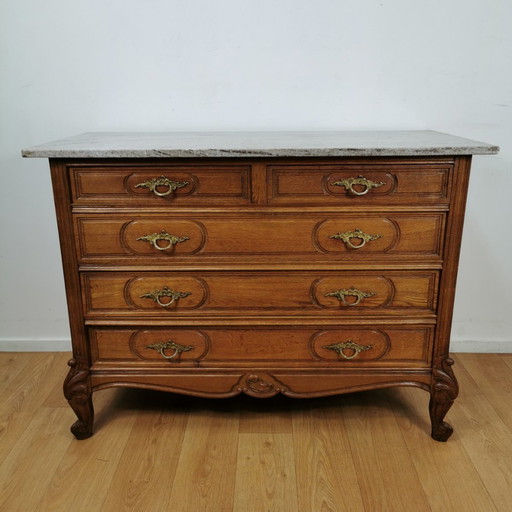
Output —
<point x="259" y="145"/>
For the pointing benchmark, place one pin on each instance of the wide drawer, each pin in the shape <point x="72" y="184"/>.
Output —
<point x="259" y="237"/>
<point x="161" y="185"/>
<point x="358" y="184"/>
<point x="175" y="294"/>
<point x="340" y="347"/>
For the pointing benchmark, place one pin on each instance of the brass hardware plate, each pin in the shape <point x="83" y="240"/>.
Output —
<point x="154" y="238"/>
<point x="156" y="295"/>
<point x="351" y="292"/>
<point x="162" y="181"/>
<point x="170" y="345"/>
<point x="349" y="345"/>
<point x="360" y="180"/>
<point x="357" y="233"/>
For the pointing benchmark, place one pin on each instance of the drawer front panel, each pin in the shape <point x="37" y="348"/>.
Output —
<point x="354" y="184"/>
<point x="259" y="293"/>
<point x="161" y="185"/>
<point x="285" y="347"/>
<point x="315" y="237"/>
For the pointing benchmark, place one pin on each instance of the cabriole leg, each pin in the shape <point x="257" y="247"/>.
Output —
<point x="443" y="392"/>
<point x="78" y="392"/>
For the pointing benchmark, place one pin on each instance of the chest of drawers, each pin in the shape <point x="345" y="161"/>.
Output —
<point x="305" y="264"/>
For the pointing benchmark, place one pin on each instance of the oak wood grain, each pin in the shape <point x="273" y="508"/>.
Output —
<point x="91" y="464"/>
<point x="27" y="468"/>
<point x="155" y="442"/>
<point x="259" y="293"/>
<point x="439" y="466"/>
<point x="378" y="450"/>
<point x="205" y="478"/>
<point x="265" y="473"/>
<point x="485" y="437"/>
<point x="326" y="474"/>
<point x="130" y="186"/>
<point x="472" y="469"/>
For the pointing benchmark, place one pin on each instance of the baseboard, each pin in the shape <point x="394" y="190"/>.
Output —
<point x="64" y="345"/>
<point x="35" y="345"/>
<point x="484" y="346"/>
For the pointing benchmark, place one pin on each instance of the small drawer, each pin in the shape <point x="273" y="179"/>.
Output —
<point x="259" y="238"/>
<point x="184" y="294"/>
<point x="339" y="347"/>
<point x="161" y="185"/>
<point x="363" y="183"/>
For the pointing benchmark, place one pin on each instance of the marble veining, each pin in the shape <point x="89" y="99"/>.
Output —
<point x="259" y="145"/>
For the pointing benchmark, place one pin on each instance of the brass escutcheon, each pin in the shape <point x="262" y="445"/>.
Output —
<point x="360" y="180"/>
<point x="357" y="233"/>
<point x="163" y="235"/>
<point x="348" y="345"/>
<point x="352" y="292"/>
<point x="156" y="295"/>
<point x="162" y="181"/>
<point x="162" y="347"/>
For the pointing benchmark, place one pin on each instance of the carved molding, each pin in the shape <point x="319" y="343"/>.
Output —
<point x="260" y="385"/>
<point x="78" y="392"/>
<point x="443" y="392"/>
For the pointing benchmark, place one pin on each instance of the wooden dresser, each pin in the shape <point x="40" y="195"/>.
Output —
<point x="306" y="264"/>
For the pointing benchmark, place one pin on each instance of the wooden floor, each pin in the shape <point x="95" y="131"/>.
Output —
<point x="159" y="452"/>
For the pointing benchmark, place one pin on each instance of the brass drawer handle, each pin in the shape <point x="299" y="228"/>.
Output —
<point x="355" y="348"/>
<point x="154" y="238"/>
<point x="352" y="292"/>
<point x="156" y="295"/>
<point x="162" y="181"/>
<point x="170" y="345"/>
<point x="360" y="180"/>
<point x="357" y="233"/>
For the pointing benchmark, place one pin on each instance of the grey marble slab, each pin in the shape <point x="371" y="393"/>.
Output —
<point x="259" y="144"/>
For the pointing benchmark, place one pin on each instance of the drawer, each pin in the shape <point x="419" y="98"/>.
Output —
<point x="173" y="294"/>
<point x="259" y="238"/>
<point x="161" y="185"/>
<point x="358" y="184"/>
<point x="340" y="347"/>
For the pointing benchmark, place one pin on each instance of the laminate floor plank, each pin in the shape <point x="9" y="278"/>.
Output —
<point x="145" y="473"/>
<point x="507" y="359"/>
<point x="55" y="397"/>
<point x="27" y="469"/>
<point x="11" y="364"/>
<point x="265" y="474"/>
<point x="24" y="395"/>
<point x="494" y="378"/>
<point x="268" y="416"/>
<point x="326" y="475"/>
<point x="438" y="465"/>
<point x="486" y="439"/>
<point x="205" y="478"/>
<point x="152" y="451"/>
<point x="386" y="474"/>
<point x="84" y="477"/>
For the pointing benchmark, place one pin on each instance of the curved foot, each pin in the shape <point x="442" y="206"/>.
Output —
<point x="443" y="392"/>
<point x="81" y="430"/>
<point x="78" y="392"/>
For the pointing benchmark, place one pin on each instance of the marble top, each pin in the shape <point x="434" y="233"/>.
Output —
<point x="259" y="144"/>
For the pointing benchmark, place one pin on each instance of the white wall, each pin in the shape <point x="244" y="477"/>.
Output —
<point x="95" y="65"/>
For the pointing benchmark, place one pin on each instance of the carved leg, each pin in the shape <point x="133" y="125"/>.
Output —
<point x="443" y="392"/>
<point x="78" y="392"/>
